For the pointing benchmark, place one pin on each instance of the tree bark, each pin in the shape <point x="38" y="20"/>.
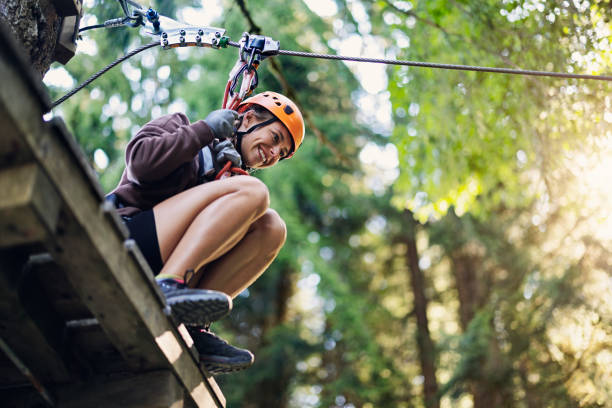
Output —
<point x="468" y="290"/>
<point x="36" y="25"/>
<point x="424" y="341"/>
<point x="473" y="292"/>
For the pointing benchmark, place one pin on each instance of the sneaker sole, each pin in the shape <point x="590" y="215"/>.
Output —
<point x="218" y="367"/>
<point x="199" y="310"/>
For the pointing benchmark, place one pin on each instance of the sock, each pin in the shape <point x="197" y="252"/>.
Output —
<point x="163" y="276"/>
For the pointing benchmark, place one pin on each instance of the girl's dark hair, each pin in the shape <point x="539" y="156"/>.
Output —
<point x="260" y="112"/>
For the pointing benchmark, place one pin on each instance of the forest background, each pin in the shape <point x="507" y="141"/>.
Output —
<point x="449" y="232"/>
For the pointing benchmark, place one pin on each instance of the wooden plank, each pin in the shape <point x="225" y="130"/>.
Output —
<point x="29" y="205"/>
<point x="117" y="272"/>
<point x="66" y="45"/>
<point x="139" y="295"/>
<point x="62" y="296"/>
<point x="19" y="331"/>
<point x="13" y="150"/>
<point x="110" y="281"/>
<point x="158" y="389"/>
<point x="87" y="271"/>
<point x="68" y="142"/>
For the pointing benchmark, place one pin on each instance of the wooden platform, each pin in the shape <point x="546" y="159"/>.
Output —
<point x="82" y="322"/>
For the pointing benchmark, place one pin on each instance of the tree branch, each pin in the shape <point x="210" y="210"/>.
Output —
<point x="253" y="28"/>
<point x="419" y="18"/>
<point x="290" y="92"/>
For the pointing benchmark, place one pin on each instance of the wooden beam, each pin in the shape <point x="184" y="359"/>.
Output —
<point x="29" y="205"/>
<point x="12" y="148"/>
<point x="66" y="41"/>
<point x="68" y="7"/>
<point x="25" y="370"/>
<point x="93" y="349"/>
<point x="135" y="318"/>
<point x="62" y="296"/>
<point x="20" y="332"/>
<point x="110" y="280"/>
<point x="158" y="389"/>
<point x="87" y="270"/>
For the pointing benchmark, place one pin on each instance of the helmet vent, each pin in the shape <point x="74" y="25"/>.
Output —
<point x="288" y="110"/>
<point x="277" y="103"/>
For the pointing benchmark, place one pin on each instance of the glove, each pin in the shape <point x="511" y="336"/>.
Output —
<point x="225" y="151"/>
<point x="221" y="122"/>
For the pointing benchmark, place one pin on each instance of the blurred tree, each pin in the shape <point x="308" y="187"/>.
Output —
<point x="499" y="295"/>
<point x="424" y="341"/>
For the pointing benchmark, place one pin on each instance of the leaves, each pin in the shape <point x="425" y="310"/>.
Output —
<point x="500" y="171"/>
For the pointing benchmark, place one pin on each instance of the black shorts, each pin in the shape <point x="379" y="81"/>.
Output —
<point x="143" y="231"/>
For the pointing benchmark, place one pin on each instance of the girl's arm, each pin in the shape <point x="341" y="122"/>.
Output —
<point x="163" y="145"/>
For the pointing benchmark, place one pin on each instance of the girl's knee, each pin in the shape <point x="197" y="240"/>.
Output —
<point x="255" y="192"/>
<point x="273" y="229"/>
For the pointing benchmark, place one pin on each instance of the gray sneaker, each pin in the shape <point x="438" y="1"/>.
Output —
<point x="194" y="307"/>
<point x="217" y="355"/>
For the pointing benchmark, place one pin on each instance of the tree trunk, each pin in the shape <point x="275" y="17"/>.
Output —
<point x="424" y="341"/>
<point x="273" y="391"/>
<point x="36" y="25"/>
<point x="473" y="292"/>
<point x="468" y="290"/>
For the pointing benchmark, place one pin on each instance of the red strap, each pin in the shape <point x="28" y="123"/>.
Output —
<point x="227" y="171"/>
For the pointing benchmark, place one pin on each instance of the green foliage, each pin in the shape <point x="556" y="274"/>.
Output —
<point x="510" y="245"/>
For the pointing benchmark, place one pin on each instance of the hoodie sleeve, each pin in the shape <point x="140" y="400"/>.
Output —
<point x="163" y="145"/>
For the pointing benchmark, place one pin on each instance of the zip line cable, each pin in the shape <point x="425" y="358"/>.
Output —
<point x="441" y="66"/>
<point x="91" y="27"/>
<point x="103" y="71"/>
<point x="360" y="59"/>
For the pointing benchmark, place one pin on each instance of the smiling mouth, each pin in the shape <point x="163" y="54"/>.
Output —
<point x="261" y="155"/>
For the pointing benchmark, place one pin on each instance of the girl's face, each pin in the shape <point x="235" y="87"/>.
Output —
<point x="264" y="146"/>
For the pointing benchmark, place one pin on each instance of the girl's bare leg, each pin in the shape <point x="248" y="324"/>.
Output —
<point x="243" y="264"/>
<point x="203" y="223"/>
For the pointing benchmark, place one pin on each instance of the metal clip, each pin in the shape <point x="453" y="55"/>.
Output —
<point x="253" y="49"/>
<point x="153" y="18"/>
<point x="265" y="46"/>
<point x="190" y="36"/>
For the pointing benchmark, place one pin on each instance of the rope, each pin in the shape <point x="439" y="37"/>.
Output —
<point x="440" y="66"/>
<point x="102" y="71"/>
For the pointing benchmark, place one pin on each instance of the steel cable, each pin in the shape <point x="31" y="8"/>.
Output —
<point x="440" y="66"/>
<point x="102" y="71"/>
<point x="360" y="59"/>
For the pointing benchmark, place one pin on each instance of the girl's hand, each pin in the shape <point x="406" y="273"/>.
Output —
<point x="221" y="122"/>
<point x="225" y="151"/>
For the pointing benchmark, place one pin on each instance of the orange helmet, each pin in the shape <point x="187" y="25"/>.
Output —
<point x="284" y="109"/>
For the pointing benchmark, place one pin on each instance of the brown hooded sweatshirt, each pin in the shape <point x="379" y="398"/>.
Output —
<point x="161" y="161"/>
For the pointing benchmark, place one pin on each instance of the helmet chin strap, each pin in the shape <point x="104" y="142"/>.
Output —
<point x="240" y="134"/>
